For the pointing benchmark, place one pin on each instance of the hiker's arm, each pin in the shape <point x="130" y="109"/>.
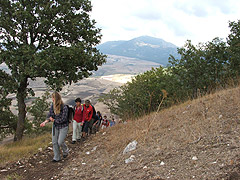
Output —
<point x="64" y="116"/>
<point x="50" y="115"/>
<point x="91" y="114"/>
<point x="51" y="112"/>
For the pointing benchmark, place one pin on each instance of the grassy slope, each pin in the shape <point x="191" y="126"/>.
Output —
<point x="24" y="148"/>
<point x="207" y="128"/>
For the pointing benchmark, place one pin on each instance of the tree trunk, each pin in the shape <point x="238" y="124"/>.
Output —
<point x="21" y="95"/>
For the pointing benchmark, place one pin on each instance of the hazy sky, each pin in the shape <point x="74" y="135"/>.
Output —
<point x="174" y="21"/>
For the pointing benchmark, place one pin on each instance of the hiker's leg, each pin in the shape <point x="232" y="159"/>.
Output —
<point x="91" y="125"/>
<point x="56" y="150"/>
<point x="78" y="131"/>
<point x="85" y="128"/>
<point x="74" y="135"/>
<point x="62" y="136"/>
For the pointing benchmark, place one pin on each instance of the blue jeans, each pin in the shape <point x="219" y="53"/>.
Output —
<point x="58" y="138"/>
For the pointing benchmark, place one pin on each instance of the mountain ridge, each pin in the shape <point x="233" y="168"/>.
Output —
<point x="143" y="47"/>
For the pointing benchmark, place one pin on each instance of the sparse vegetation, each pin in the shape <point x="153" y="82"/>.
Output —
<point x="24" y="148"/>
<point x="38" y="111"/>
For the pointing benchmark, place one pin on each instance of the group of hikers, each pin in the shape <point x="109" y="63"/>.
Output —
<point x="85" y="121"/>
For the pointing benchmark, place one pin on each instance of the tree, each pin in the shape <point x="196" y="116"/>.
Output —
<point x="217" y="58"/>
<point x="54" y="39"/>
<point x="234" y="47"/>
<point x="190" y="68"/>
<point x="140" y="96"/>
<point x="8" y="121"/>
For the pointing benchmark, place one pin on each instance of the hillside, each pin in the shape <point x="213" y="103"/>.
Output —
<point x="143" y="47"/>
<point x="195" y="140"/>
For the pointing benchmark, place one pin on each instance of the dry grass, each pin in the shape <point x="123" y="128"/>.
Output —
<point x="26" y="147"/>
<point x="205" y="118"/>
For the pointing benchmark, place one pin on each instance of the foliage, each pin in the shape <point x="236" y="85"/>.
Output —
<point x="201" y="68"/>
<point x="234" y="47"/>
<point x="38" y="111"/>
<point x="8" y="121"/>
<point x="139" y="97"/>
<point x="49" y="38"/>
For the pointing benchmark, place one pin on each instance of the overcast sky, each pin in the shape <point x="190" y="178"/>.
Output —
<point x="174" y="21"/>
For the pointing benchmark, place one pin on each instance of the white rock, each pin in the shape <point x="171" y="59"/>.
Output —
<point x="162" y="163"/>
<point x="104" y="133"/>
<point x="3" y="170"/>
<point x="194" y="158"/>
<point x="130" y="147"/>
<point x="40" y="162"/>
<point x="88" y="152"/>
<point x="94" y="149"/>
<point x="220" y="116"/>
<point x="83" y="163"/>
<point x="40" y="149"/>
<point x="145" y="167"/>
<point x="130" y="159"/>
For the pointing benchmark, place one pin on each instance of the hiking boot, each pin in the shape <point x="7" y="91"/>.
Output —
<point x="54" y="161"/>
<point x="73" y="142"/>
<point x="65" y="155"/>
<point x="78" y="140"/>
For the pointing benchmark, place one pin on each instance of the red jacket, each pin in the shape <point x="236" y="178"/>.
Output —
<point x="87" y="112"/>
<point x="78" y="114"/>
<point x="105" y="122"/>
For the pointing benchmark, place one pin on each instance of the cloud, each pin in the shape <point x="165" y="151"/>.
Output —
<point x="172" y="20"/>
<point x="226" y="7"/>
<point x="149" y="15"/>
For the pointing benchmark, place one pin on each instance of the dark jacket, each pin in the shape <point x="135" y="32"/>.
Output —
<point x="61" y="119"/>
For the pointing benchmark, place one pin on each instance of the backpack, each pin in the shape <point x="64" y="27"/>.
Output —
<point x="94" y="112"/>
<point x="70" y="113"/>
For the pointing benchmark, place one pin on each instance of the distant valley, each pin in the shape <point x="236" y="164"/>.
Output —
<point x="124" y="65"/>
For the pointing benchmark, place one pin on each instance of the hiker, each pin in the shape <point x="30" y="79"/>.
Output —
<point x="87" y="115"/>
<point x="105" y="122"/>
<point x="93" y="120"/>
<point x="77" y="121"/>
<point x="112" y="122"/>
<point x="97" y="124"/>
<point x="58" y="114"/>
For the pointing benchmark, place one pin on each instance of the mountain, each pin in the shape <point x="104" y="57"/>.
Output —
<point x="143" y="47"/>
